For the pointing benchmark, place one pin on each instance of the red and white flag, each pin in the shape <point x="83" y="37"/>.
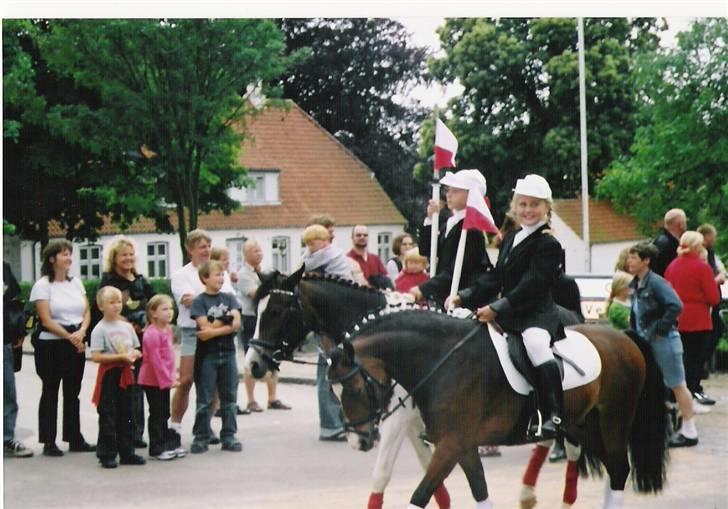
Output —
<point x="446" y="146"/>
<point x="477" y="214"/>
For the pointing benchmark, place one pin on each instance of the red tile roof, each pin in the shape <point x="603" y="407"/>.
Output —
<point x="605" y="224"/>
<point x="317" y="175"/>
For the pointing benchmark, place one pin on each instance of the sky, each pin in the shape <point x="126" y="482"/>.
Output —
<point x="423" y="33"/>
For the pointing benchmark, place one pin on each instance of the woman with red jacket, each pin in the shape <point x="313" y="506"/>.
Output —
<point x="692" y="278"/>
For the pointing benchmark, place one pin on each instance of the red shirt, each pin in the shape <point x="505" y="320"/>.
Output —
<point x="407" y="280"/>
<point x="692" y="279"/>
<point x="371" y="266"/>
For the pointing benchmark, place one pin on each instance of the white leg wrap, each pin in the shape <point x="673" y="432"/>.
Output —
<point x="613" y="499"/>
<point x="527" y="493"/>
<point x="572" y="451"/>
<point x="484" y="504"/>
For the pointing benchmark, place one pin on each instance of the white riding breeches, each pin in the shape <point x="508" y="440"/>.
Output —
<point x="538" y="345"/>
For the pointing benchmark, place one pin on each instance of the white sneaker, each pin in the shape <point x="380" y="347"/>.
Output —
<point x="179" y="452"/>
<point x="15" y="449"/>
<point x="700" y="409"/>
<point x="165" y="456"/>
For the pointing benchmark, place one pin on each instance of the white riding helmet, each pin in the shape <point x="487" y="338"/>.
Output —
<point x="466" y="179"/>
<point x="533" y="185"/>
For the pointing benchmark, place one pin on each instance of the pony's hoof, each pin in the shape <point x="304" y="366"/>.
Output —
<point x="528" y="503"/>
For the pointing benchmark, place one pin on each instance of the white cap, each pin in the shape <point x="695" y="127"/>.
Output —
<point x="533" y="185"/>
<point x="466" y="179"/>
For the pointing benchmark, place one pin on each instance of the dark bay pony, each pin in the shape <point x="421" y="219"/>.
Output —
<point x="467" y="401"/>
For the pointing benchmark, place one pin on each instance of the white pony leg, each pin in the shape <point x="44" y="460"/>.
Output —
<point x="413" y="428"/>
<point x="484" y="504"/>
<point x="392" y="432"/>
<point x="573" y="451"/>
<point x="615" y="500"/>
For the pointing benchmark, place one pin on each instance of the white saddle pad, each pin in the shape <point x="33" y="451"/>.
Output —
<point x="576" y="347"/>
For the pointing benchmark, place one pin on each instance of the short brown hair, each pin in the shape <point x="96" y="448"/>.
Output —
<point x="195" y="236"/>
<point x="397" y="243"/>
<point x="707" y="229"/>
<point x="216" y="253"/>
<point x="208" y="268"/>
<point x="324" y="220"/>
<point x="644" y="250"/>
<point x="53" y="248"/>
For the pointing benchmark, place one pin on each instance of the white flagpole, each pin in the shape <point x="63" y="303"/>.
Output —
<point x="458" y="269"/>
<point x="435" y="220"/>
<point x="584" y="177"/>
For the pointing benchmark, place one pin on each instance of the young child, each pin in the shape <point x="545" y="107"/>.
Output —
<point x="618" y="304"/>
<point x="413" y="273"/>
<point x="217" y="315"/>
<point x="114" y="346"/>
<point x="321" y="256"/>
<point x="158" y="375"/>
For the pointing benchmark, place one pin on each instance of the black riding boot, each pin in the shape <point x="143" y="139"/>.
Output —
<point x="549" y="397"/>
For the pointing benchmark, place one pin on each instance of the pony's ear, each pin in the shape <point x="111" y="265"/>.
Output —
<point x="268" y="281"/>
<point x="348" y="352"/>
<point x="291" y="281"/>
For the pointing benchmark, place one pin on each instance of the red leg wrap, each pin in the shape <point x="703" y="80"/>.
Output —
<point x="375" y="501"/>
<point x="442" y="497"/>
<point x="572" y="476"/>
<point x="538" y="456"/>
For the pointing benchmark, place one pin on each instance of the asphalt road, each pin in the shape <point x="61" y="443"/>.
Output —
<point x="283" y="465"/>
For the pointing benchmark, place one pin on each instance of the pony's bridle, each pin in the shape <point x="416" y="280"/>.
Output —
<point x="378" y="405"/>
<point x="285" y="351"/>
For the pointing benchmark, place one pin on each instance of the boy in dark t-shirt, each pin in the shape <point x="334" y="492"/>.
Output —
<point x="218" y="319"/>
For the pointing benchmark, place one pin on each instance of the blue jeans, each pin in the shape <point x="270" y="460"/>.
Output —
<point x="330" y="419"/>
<point x="10" y="404"/>
<point x="218" y="370"/>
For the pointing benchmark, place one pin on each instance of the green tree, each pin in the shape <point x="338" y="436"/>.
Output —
<point x="519" y="111"/>
<point x="680" y="156"/>
<point x="178" y="87"/>
<point x="50" y="171"/>
<point x="354" y="83"/>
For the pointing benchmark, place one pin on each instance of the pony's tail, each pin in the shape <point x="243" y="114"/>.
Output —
<point x="648" y="441"/>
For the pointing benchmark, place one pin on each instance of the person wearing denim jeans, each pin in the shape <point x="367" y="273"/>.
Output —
<point x="218" y="369"/>
<point x="331" y="423"/>
<point x="217" y="315"/>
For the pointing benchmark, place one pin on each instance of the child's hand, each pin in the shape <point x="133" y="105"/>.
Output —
<point x="206" y="334"/>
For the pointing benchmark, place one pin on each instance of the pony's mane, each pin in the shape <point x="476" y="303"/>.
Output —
<point x="338" y="280"/>
<point x="374" y="319"/>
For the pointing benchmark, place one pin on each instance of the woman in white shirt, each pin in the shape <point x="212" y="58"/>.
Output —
<point x="62" y="307"/>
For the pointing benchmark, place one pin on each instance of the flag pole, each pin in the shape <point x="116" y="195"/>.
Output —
<point x="584" y="173"/>
<point x="458" y="269"/>
<point x="435" y="218"/>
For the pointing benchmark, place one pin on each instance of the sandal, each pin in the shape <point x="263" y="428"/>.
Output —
<point x="278" y="405"/>
<point x="254" y="407"/>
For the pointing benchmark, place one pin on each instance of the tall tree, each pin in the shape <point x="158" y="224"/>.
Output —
<point x="177" y="86"/>
<point x="50" y="171"/>
<point x="680" y="156"/>
<point x="355" y="84"/>
<point x="519" y="111"/>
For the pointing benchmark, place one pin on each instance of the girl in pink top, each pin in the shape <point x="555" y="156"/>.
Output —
<point x="157" y="375"/>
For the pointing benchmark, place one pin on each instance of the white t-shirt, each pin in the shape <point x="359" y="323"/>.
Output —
<point x="248" y="281"/>
<point x="66" y="300"/>
<point x="186" y="280"/>
<point x="116" y="336"/>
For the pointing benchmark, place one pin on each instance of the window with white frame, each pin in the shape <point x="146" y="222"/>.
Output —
<point x="263" y="188"/>
<point x="90" y="265"/>
<point x="235" y="247"/>
<point x="279" y="253"/>
<point x="157" y="259"/>
<point x="384" y="246"/>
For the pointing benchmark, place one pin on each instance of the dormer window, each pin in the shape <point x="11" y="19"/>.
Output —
<point x="264" y="189"/>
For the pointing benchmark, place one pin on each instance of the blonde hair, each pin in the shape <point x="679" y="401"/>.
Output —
<point x="673" y="215"/>
<point x="549" y="207"/>
<point x="621" y="264"/>
<point x="315" y="232"/>
<point x="195" y="236"/>
<point x="208" y="268"/>
<point x="114" y="248"/>
<point x="157" y="301"/>
<point x="106" y="293"/>
<point x="217" y="252"/>
<point x="691" y="242"/>
<point x="620" y="281"/>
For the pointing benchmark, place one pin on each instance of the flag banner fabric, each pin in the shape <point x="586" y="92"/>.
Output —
<point x="446" y="146"/>
<point x="477" y="214"/>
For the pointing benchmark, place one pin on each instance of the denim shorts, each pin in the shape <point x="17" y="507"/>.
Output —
<point x="189" y="342"/>
<point x="668" y="352"/>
